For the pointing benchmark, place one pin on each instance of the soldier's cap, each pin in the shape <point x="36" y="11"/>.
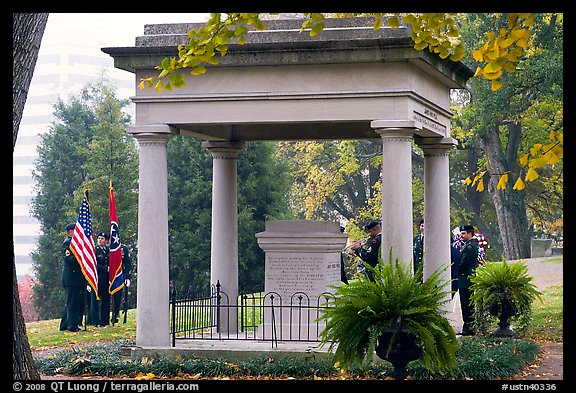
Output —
<point x="467" y="228"/>
<point x="70" y="226"/>
<point x="105" y="235"/>
<point x="371" y="225"/>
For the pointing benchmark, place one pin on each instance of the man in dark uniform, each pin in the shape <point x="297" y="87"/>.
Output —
<point x="370" y="250"/>
<point x="73" y="282"/>
<point x="100" y="309"/>
<point x="455" y="257"/>
<point x="468" y="263"/>
<point x="126" y="269"/>
<point x="418" y="246"/>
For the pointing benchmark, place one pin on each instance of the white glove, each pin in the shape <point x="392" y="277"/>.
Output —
<point x="88" y="288"/>
<point x="127" y="282"/>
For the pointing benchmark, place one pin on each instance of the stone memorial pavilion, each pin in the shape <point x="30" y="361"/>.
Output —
<point x="348" y="82"/>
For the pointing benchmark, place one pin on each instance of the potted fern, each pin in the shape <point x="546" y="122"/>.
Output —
<point x="504" y="291"/>
<point x="397" y="315"/>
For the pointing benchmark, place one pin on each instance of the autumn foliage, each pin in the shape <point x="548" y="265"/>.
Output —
<point x="25" y="290"/>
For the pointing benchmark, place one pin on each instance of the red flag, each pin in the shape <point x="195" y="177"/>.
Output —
<point x="82" y="245"/>
<point x="115" y="274"/>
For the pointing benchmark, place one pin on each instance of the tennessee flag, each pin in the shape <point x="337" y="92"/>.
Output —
<point x="115" y="274"/>
<point x="82" y="245"/>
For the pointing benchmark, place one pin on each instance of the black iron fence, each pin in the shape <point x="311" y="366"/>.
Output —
<point x="211" y="315"/>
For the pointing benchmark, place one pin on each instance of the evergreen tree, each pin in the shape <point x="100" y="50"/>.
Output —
<point x="112" y="160"/>
<point x="262" y="188"/>
<point x="58" y="174"/>
<point x="68" y="156"/>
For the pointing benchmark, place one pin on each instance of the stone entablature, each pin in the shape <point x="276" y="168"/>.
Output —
<point x="285" y="85"/>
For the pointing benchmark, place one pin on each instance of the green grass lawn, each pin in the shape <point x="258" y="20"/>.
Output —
<point x="556" y="260"/>
<point x="46" y="334"/>
<point x="547" y="316"/>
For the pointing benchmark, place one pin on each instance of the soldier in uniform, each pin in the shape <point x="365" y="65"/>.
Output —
<point x="370" y="251"/>
<point x="73" y="282"/>
<point x="418" y="246"/>
<point x="100" y="309"/>
<point x="468" y="263"/>
<point x="455" y="257"/>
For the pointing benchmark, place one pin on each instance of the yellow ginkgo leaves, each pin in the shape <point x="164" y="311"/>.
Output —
<point x="440" y="33"/>
<point x="519" y="185"/>
<point x="206" y="44"/>
<point x="478" y="181"/>
<point x="537" y="157"/>
<point x="532" y="174"/>
<point x="142" y="376"/>
<point x="502" y="182"/>
<point x="502" y="51"/>
<point x="436" y="31"/>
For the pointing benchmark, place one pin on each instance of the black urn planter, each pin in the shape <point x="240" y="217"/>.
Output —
<point x="503" y="310"/>
<point x="403" y="351"/>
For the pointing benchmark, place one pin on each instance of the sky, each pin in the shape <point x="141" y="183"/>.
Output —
<point x="83" y="34"/>
<point x="109" y="29"/>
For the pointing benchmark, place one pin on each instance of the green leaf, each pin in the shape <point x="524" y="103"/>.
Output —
<point x="393" y="22"/>
<point x="198" y="70"/>
<point x="421" y="45"/>
<point x="240" y="30"/>
<point x="317" y="29"/>
<point x="259" y="25"/>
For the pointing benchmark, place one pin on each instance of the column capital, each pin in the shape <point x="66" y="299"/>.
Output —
<point x="393" y="124"/>
<point x="398" y="130"/>
<point x="224" y="149"/>
<point x="436" y="146"/>
<point x="152" y="132"/>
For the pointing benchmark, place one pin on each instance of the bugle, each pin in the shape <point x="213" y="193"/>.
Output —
<point x="348" y="249"/>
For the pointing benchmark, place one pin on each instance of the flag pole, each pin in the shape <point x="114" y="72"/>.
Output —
<point x="112" y="309"/>
<point x="125" y="303"/>
<point x="111" y="295"/>
<point x="86" y="191"/>
<point x="86" y="308"/>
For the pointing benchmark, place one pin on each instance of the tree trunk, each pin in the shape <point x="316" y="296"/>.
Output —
<point x="510" y="204"/>
<point x="27" y="32"/>
<point x="474" y="197"/>
<point x="23" y="366"/>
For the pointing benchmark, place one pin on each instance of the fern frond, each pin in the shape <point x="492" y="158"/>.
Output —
<point x="364" y="310"/>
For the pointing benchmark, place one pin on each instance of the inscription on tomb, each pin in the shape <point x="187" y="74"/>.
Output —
<point x="311" y="273"/>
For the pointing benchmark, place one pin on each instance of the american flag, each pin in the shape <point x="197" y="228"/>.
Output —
<point x="115" y="274"/>
<point x="82" y="245"/>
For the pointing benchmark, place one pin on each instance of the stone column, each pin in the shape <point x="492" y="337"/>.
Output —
<point x="224" y="239"/>
<point x="153" y="317"/>
<point x="396" y="191"/>
<point x="436" y="204"/>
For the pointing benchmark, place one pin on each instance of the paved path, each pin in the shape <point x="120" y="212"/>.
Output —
<point x="550" y="364"/>
<point x="546" y="272"/>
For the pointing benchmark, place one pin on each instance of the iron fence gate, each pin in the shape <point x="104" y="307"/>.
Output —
<point x="210" y="315"/>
